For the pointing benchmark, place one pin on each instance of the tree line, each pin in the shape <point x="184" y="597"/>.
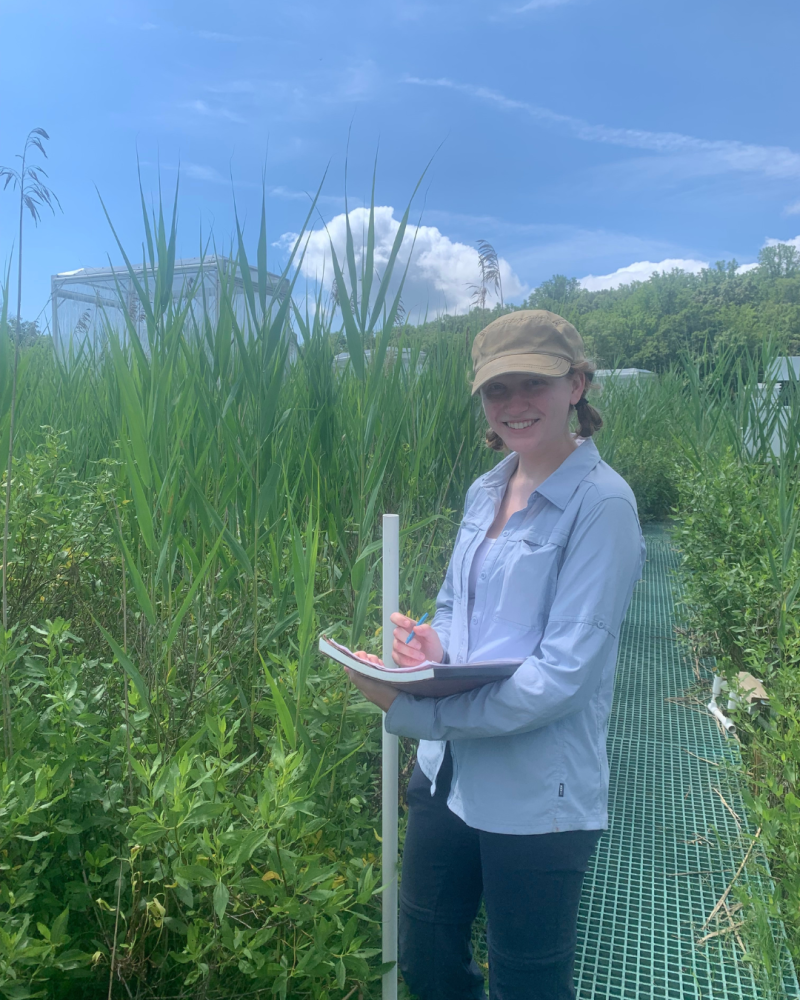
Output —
<point x="652" y="324"/>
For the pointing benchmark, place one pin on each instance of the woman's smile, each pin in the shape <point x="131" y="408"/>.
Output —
<point x="520" y="425"/>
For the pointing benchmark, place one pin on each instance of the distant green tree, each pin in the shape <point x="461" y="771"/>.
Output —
<point x="27" y="333"/>
<point x="780" y="261"/>
<point x="558" y="290"/>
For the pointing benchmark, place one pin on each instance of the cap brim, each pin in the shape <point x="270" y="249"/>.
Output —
<point x="529" y="364"/>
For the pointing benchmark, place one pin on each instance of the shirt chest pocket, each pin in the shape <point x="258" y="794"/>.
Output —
<point x="530" y="574"/>
<point x="461" y="562"/>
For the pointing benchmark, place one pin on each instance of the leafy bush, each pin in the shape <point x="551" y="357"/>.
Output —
<point x="225" y="865"/>
<point x="736" y="531"/>
<point x="724" y="532"/>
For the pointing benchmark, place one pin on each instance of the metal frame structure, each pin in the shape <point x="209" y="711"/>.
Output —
<point x="106" y="292"/>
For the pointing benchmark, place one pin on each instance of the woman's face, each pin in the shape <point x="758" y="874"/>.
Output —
<point x="531" y="412"/>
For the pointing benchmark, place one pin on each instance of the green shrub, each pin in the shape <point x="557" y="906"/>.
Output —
<point x="740" y="576"/>
<point x="226" y="865"/>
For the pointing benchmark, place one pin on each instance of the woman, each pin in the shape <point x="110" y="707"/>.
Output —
<point x="510" y="792"/>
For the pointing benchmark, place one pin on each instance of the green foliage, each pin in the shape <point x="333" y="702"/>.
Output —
<point x="738" y="530"/>
<point x="62" y="552"/>
<point x="653" y="324"/>
<point x="28" y="333"/>
<point x="642" y="423"/>
<point x="724" y="532"/>
<point x="227" y="865"/>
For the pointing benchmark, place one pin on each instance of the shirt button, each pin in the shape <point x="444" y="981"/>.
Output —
<point x="504" y="534"/>
<point x="474" y="619"/>
<point x="483" y="576"/>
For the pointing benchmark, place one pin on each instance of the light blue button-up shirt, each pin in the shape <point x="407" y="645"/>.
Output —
<point x="529" y="752"/>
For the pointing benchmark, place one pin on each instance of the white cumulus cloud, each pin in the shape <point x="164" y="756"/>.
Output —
<point x="790" y="243"/>
<point x="641" y="270"/>
<point x="439" y="273"/>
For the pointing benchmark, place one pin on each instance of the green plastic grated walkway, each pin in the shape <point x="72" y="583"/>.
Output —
<point x="672" y="847"/>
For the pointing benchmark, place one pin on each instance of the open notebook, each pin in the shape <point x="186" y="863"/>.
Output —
<point x="428" y="678"/>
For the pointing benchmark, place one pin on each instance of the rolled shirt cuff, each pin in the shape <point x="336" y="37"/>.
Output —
<point x="411" y="716"/>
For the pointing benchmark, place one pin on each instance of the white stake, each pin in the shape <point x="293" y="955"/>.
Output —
<point x="391" y="603"/>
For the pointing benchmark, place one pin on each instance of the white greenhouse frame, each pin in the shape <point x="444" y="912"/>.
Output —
<point x="99" y="293"/>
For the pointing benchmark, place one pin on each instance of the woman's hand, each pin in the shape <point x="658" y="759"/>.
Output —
<point x="425" y="645"/>
<point x="377" y="692"/>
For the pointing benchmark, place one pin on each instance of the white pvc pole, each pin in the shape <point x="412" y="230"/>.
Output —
<point x="391" y="603"/>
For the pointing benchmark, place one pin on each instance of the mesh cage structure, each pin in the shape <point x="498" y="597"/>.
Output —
<point x="84" y="301"/>
<point x="673" y="847"/>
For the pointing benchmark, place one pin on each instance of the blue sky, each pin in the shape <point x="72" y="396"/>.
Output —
<point x="578" y="136"/>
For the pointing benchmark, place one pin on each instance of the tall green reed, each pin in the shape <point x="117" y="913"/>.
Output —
<point x="248" y="487"/>
<point x="241" y="495"/>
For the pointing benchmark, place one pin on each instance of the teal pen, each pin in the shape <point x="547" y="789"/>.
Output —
<point x="411" y="633"/>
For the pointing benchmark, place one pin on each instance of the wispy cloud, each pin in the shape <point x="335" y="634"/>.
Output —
<point x="201" y="172"/>
<point x="290" y="194"/>
<point x="359" y="80"/>
<point x="538" y="5"/>
<point x="721" y="155"/>
<point x="792" y="209"/>
<point x="307" y="97"/>
<point x="231" y="87"/>
<point x="194" y="171"/>
<point x="219" y="36"/>
<point x="215" y="111"/>
<point x="283" y="192"/>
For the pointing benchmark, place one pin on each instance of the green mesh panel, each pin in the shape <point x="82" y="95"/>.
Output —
<point x="639" y="917"/>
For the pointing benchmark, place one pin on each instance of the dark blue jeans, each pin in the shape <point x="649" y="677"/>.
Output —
<point x="531" y="887"/>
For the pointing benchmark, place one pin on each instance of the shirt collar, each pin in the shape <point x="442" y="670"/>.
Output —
<point x="496" y="479"/>
<point x="559" y="485"/>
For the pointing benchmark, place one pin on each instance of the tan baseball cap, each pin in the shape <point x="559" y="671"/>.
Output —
<point x="528" y="340"/>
